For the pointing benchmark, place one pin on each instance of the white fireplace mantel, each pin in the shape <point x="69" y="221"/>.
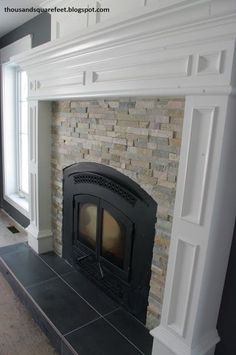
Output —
<point x="185" y="49"/>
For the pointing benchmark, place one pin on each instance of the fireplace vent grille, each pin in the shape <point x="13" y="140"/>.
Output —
<point x="116" y="289"/>
<point x="106" y="183"/>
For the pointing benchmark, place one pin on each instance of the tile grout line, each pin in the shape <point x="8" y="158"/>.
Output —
<point x="101" y="316"/>
<point x="18" y="283"/>
<point x="92" y="321"/>
<point x="66" y="273"/>
<point x="118" y="331"/>
<point x="114" y="310"/>
<point x="59" y="276"/>
<point x="30" y="297"/>
<point x="71" y="287"/>
<point x="41" y="282"/>
<point x="139" y="321"/>
<point x="42" y="313"/>
<point x="82" y="326"/>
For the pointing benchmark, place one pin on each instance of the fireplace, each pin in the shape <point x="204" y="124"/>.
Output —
<point x="122" y="133"/>
<point x="108" y="232"/>
<point x="180" y="50"/>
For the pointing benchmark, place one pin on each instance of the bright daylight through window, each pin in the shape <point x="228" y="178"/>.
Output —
<point x="15" y="137"/>
<point x="22" y="135"/>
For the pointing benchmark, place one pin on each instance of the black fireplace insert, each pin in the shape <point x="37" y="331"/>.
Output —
<point x="108" y="232"/>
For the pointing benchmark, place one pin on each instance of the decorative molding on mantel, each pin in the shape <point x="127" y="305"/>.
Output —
<point x="183" y="49"/>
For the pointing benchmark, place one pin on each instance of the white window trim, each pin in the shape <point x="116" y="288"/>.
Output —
<point x="10" y="193"/>
<point x="20" y="192"/>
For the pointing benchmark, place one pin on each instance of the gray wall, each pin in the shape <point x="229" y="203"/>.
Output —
<point x="40" y="29"/>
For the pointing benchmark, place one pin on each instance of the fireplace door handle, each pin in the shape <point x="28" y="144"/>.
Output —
<point x="82" y="257"/>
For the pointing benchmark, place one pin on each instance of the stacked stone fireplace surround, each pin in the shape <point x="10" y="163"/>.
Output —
<point x="141" y="138"/>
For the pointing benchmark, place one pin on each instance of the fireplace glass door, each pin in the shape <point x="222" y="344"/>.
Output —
<point x="88" y="224"/>
<point x="113" y="239"/>
<point x="104" y="232"/>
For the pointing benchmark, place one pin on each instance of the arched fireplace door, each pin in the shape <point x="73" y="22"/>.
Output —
<point x="108" y="232"/>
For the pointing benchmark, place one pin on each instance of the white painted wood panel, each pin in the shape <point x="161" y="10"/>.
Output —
<point x="177" y="67"/>
<point x="129" y="68"/>
<point x="200" y="136"/>
<point x="185" y="263"/>
<point x="32" y="134"/>
<point x="163" y="3"/>
<point x="64" y="24"/>
<point x="117" y="8"/>
<point x="39" y="230"/>
<point x="210" y="63"/>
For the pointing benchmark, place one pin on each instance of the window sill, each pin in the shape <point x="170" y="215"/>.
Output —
<point x="21" y="204"/>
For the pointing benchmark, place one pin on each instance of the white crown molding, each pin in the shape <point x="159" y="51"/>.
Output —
<point x="143" y="25"/>
<point x="157" y="50"/>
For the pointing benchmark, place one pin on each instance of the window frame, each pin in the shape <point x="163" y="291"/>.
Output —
<point x="8" y="118"/>
<point x="10" y="125"/>
<point x="18" y="133"/>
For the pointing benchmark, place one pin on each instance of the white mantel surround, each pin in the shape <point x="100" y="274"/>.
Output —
<point x="186" y="49"/>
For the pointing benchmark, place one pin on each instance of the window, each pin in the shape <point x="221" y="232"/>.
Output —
<point x="15" y="137"/>
<point x="15" y="127"/>
<point x="22" y="134"/>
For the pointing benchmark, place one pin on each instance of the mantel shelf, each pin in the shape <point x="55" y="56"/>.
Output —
<point x="183" y="49"/>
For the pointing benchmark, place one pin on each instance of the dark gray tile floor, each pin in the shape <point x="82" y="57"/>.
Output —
<point x="59" y="265"/>
<point x="94" y="296"/>
<point x="13" y="248"/>
<point x="99" y="338"/>
<point x="132" y="329"/>
<point x="28" y="267"/>
<point x="62" y="305"/>
<point x="71" y="309"/>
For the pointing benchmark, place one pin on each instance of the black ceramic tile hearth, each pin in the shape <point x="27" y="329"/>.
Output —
<point x="27" y="267"/>
<point x="56" y="298"/>
<point x="62" y="305"/>
<point x="58" y="264"/>
<point x="36" y="313"/>
<point x="133" y="330"/>
<point x="90" y="292"/>
<point x="13" y="248"/>
<point x="67" y="350"/>
<point x="99" y="338"/>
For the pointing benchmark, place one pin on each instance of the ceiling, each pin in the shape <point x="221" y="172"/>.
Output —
<point x="11" y="20"/>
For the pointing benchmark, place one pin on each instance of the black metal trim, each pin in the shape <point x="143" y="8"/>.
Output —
<point x="95" y="180"/>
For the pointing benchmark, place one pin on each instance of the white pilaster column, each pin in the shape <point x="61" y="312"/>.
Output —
<point x="39" y="230"/>
<point x="202" y="228"/>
